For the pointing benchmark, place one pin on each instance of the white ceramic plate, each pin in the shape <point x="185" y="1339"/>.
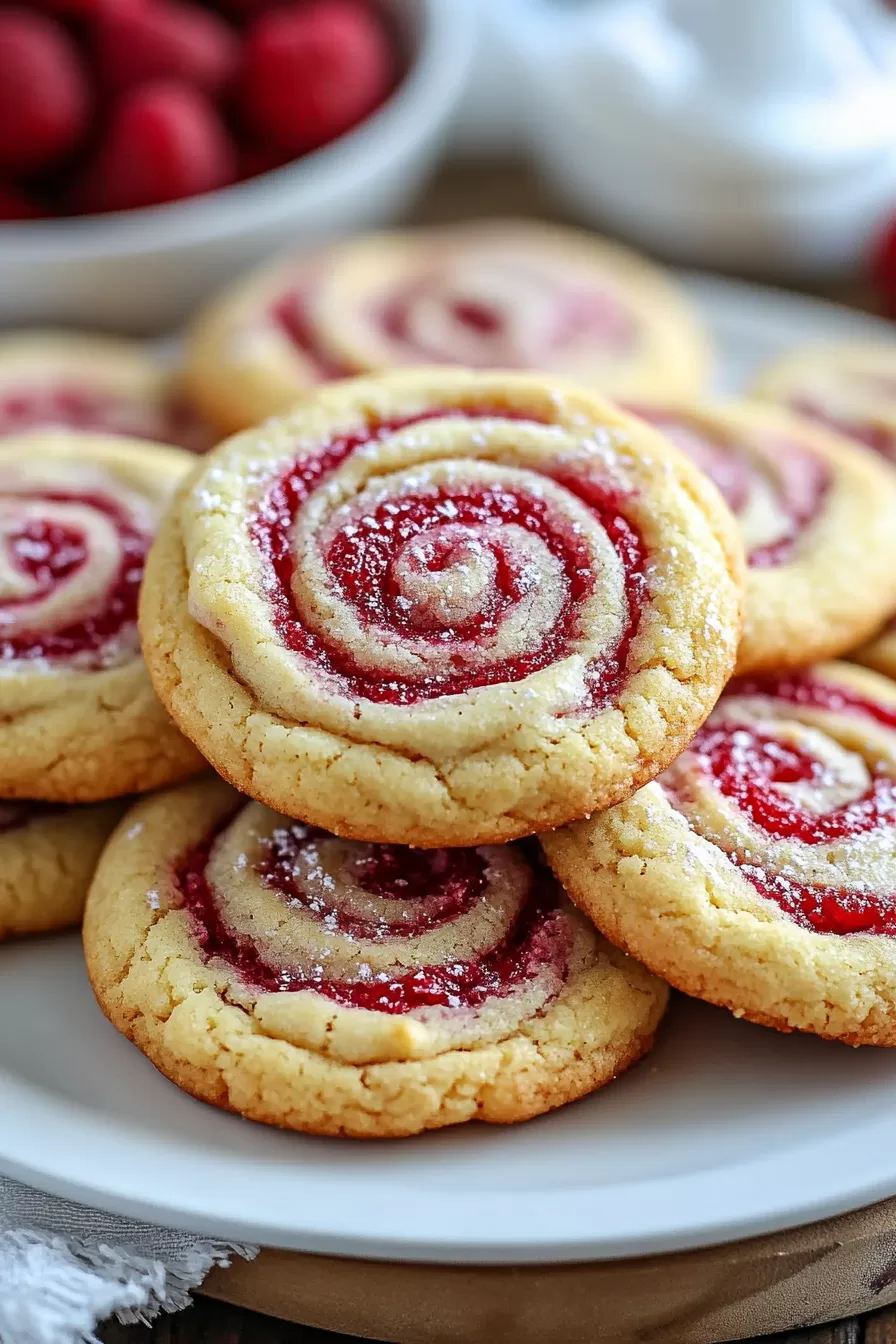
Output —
<point x="727" y="1131"/>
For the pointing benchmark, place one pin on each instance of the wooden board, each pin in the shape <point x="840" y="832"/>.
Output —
<point x="840" y="1267"/>
<point x="210" y="1322"/>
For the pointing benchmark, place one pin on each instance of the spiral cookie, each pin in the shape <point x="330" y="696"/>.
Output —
<point x="443" y="607"/>
<point x="500" y="295"/>
<point x="93" y="383"/>
<point x="80" y="720"/>
<point x="816" y="516"/>
<point x="345" y="988"/>
<point x="759" y="872"/>
<point x="850" y="387"/>
<point x="48" y="855"/>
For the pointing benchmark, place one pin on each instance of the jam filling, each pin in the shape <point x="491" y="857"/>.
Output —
<point x="50" y="554"/>
<point x="291" y="315"/>
<point x="879" y="437"/>
<point x="803" y="688"/>
<point x="453" y="879"/>
<point x="747" y="764"/>
<point x="802" y="483"/>
<point x="579" y="316"/>
<point x="539" y="937"/>
<point x="359" y="562"/>
<point x="729" y="471"/>
<point x="800" y="479"/>
<point x="47" y="552"/>
<point x="100" y="412"/>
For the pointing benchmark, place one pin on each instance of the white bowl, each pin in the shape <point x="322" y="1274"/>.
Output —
<point x="144" y="270"/>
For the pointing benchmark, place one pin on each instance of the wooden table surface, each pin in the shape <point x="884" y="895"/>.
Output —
<point x="461" y="192"/>
<point x="216" y="1323"/>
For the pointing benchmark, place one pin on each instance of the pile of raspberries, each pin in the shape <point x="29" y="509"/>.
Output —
<point x="118" y="104"/>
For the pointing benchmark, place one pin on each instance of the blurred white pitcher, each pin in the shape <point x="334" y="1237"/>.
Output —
<point x="755" y="134"/>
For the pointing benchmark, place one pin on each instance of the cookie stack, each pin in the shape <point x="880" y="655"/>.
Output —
<point x="81" y="723"/>
<point x="415" y="621"/>
<point x="457" y="645"/>
<point x="434" y="613"/>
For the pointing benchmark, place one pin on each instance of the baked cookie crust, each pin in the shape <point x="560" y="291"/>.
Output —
<point x="47" y="860"/>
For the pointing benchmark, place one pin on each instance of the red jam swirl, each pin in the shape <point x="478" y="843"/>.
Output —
<point x="48" y="554"/>
<point x="729" y="470"/>
<point x="360" y="562"/>
<point x="291" y="315"/>
<point x="538" y="938"/>
<point x="873" y="435"/>
<point x="102" y="413"/>
<point x="746" y="764"/>
<point x="804" y="688"/>
<point x="800" y="479"/>
<point x="580" y="317"/>
<point x="453" y="879"/>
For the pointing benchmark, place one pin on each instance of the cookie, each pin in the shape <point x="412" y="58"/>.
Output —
<point x="486" y="295"/>
<point x="48" y="855"/>
<point x="759" y="872"/>
<point x="443" y="607"/>
<point x="816" y="514"/>
<point x="851" y="387"/>
<point x="344" y="988"/>
<point x="96" y="383"/>
<point x="80" y="720"/>
<point x="880" y="652"/>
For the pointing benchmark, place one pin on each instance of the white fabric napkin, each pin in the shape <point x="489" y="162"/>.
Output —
<point x="64" y="1268"/>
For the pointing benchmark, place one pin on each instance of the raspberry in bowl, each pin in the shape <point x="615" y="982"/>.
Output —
<point x="181" y="140"/>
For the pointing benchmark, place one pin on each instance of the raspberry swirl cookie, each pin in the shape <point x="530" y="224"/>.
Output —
<point x="94" y="383"/>
<point x="344" y="988"/>
<point x="851" y="388"/>
<point x="759" y="872"/>
<point x="494" y="296"/>
<point x="80" y="720"/>
<point x="443" y="607"/>
<point x="816" y="514"/>
<point x="48" y="855"/>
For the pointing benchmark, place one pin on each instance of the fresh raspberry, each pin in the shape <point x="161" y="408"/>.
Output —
<point x="14" y="204"/>
<point x="884" y="268"/>
<point x="164" y="141"/>
<point x="44" y="97"/>
<point x="137" y="43"/>
<point x="314" y="71"/>
<point x="255" y="158"/>
<point x="243" y="11"/>
<point x="86" y="10"/>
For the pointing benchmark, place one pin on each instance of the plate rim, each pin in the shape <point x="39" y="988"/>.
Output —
<point x="376" y="1237"/>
